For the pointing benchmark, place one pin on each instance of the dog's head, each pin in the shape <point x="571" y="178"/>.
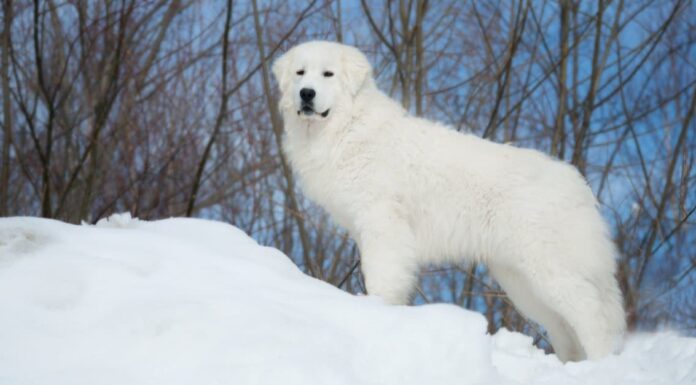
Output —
<point x="318" y="78"/>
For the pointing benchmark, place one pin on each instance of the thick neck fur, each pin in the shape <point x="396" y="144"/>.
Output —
<point x="323" y="148"/>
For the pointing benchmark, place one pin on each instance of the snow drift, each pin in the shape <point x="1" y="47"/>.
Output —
<point x="184" y="301"/>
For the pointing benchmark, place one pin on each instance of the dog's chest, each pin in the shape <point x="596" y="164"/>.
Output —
<point x="328" y="172"/>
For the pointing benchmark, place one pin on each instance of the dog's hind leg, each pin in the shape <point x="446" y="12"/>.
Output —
<point x="520" y="290"/>
<point x="581" y="309"/>
<point x="593" y="312"/>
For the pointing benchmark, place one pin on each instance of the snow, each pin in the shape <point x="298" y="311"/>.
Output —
<point x="186" y="301"/>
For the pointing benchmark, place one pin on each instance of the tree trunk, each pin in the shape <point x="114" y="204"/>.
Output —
<point x="6" y="45"/>
<point x="276" y="125"/>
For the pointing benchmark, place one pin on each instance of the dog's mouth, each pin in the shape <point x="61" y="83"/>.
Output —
<point x="309" y="111"/>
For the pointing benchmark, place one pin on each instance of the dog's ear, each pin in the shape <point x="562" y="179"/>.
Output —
<point x="356" y="70"/>
<point x="281" y="70"/>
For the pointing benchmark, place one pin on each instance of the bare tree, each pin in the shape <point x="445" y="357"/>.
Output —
<point x="224" y="96"/>
<point x="6" y="106"/>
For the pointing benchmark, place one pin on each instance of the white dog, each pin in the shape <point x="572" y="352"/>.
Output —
<point x="414" y="192"/>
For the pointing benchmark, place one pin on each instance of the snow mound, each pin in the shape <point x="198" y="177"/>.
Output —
<point x="185" y="301"/>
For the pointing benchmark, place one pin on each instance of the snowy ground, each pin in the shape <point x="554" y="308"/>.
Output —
<point x="185" y="301"/>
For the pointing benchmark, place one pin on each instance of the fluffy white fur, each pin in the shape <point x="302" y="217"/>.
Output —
<point x="412" y="192"/>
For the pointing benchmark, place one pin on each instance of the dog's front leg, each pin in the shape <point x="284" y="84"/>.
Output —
<point x="387" y="256"/>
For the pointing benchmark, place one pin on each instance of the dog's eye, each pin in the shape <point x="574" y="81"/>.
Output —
<point x="300" y="72"/>
<point x="328" y="74"/>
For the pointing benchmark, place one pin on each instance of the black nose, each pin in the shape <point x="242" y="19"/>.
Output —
<point x="307" y="94"/>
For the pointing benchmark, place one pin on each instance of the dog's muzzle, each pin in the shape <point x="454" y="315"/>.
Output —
<point x="308" y="110"/>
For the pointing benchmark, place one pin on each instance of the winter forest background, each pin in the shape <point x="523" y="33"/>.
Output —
<point x="163" y="108"/>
